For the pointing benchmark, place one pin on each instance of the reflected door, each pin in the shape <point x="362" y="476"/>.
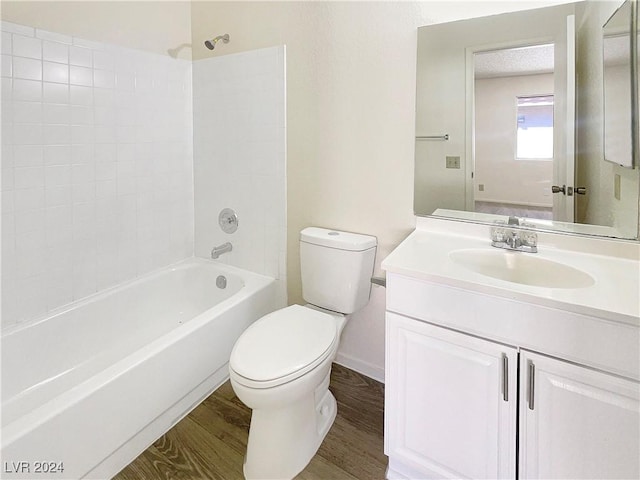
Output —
<point x="564" y="145"/>
<point x="523" y="130"/>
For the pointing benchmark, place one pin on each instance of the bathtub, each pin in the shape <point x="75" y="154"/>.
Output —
<point x="88" y="388"/>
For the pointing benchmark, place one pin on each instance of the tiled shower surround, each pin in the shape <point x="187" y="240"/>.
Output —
<point x="240" y="158"/>
<point x="97" y="167"/>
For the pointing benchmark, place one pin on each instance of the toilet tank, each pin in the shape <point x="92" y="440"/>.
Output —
<point x="336" y="268"/>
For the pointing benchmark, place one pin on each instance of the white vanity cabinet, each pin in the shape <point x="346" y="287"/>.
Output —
<point x="450" y="402"/>
<point x="467" y="397"/>
<point x="576" y="422"/>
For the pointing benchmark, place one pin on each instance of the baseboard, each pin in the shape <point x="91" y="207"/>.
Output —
<point x="398" y="471"/>
<point x="391" y="474"/>
<point x="360" y="366"/>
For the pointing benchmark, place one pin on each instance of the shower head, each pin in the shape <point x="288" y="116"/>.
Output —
<point x="211" y="44"/>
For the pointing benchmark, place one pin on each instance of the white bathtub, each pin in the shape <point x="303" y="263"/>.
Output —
<point x="92" y="385"/>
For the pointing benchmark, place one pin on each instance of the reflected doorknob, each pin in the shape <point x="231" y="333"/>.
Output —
<point x="569" y="191"/>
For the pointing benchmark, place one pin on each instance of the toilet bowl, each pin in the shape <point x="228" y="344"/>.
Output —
<point x="280" y="366"/>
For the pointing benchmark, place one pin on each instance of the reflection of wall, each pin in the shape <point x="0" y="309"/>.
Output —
<point x="617" y="131"/>
<point x="441" y="100"/>
<point x="505" y="179"/>
<point x="599" y="206"/>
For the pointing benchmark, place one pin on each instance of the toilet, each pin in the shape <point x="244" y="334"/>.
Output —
<point x="280" y="365"/>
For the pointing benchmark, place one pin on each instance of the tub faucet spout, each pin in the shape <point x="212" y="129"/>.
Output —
<point x="219" y="250"/>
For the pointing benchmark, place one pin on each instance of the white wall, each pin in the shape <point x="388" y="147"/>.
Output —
<point x="350" y="104"/>
<point x="240" y="158"/>
<point x="156" y="26"/>
<point x="505" y="179"/>
<point x="351" y="71"/>
<point x="96" y="167"/>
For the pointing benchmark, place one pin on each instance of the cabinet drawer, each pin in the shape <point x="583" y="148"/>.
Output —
<point x="602" y="344"/>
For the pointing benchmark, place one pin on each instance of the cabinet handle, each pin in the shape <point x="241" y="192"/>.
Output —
<point x="532" y="375"/>
<point x="505" y="378"/>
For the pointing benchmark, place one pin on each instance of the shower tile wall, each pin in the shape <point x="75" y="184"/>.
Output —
<point x="240" y="158"/>
<point x="96" y="167"/>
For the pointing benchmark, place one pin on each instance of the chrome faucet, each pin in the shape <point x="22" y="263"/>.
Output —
<point x="513" y="240"/>
<point x="219" y="250"/>
<point x="521" y="240"/>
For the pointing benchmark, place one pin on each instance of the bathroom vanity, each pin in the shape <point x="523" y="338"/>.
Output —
<point x="505" y="364"/>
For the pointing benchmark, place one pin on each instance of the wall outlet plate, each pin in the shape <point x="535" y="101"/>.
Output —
<point x="453" y="162"/>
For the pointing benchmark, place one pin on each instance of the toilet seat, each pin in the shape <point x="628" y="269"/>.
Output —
<point x="283" y="346"/>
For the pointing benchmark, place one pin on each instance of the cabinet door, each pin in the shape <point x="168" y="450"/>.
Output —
<point x="450" y="402"/>
<point x="576" y="422"/>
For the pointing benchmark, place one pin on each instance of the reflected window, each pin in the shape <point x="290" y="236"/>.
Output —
<point x="534" y="137"/>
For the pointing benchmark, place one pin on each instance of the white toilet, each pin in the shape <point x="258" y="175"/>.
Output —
<point x="280" y="365"/>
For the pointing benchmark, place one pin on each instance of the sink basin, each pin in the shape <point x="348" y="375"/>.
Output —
<point x="523" y="268"/>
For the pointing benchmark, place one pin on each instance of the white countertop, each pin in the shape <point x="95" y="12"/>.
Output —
<point x="615" y="266"/>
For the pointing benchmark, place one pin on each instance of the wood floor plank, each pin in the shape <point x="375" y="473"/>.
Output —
<point x="355" y="451"/>
<point x="321" y="468"/>
<point x="223" y="461"/>
<point x="210" y="442"/>
<point x="227" y="424"/>
<point x="360" y="399"/>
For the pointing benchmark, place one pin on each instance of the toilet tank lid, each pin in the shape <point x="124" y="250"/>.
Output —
<point x="337" y="239"/>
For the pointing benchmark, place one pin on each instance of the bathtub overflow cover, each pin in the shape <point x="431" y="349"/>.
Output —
<point x="221" y="281"/>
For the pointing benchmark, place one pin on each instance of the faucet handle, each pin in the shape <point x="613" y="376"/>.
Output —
<point x="498" y="234"/>
<point x="498" y="231"/>
<point x="529" y="238"/>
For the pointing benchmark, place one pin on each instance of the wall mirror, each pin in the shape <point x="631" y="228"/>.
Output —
<point x="503" y="127"/>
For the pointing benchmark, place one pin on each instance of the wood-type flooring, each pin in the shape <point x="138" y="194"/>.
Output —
<point x="210" y="442"/>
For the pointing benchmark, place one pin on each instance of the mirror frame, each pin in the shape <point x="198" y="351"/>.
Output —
<point x="635" y="91"/>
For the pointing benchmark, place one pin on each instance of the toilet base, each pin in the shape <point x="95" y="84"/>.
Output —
<point x="283" y="441"/>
